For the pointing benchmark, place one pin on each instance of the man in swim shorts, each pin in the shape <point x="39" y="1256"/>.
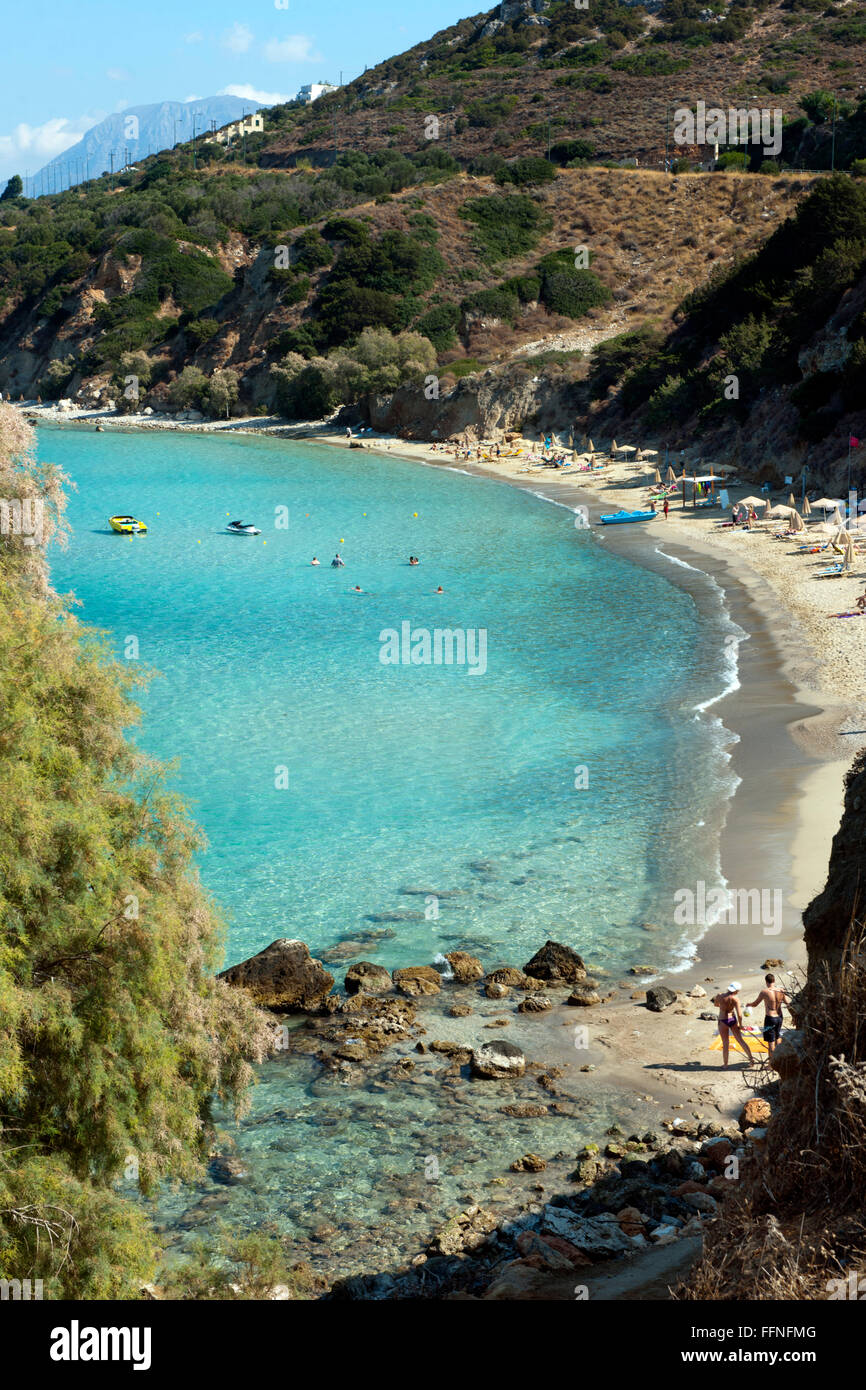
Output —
<point x="772" y="996"/>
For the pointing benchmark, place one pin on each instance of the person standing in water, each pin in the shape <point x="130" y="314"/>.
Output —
<point x="772" y="996"/>
<point x="667" y="508"/>
<point x="314" y="561"/>
<point x="731" y="1021"/>
<point x="338" y="562"/>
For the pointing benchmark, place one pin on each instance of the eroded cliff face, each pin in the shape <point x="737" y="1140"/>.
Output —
<point x="483" y="406"/>
<point x="840" y="910"/>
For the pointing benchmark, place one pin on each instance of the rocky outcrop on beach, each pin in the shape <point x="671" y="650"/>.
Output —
<point x="283" y="977"/>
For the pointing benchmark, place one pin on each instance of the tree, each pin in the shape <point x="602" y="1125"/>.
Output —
<point x="222" y="392"/>
<point x="13" y="189"/>
<point x="115" y="1033"/>
<point x="188" y="389"/>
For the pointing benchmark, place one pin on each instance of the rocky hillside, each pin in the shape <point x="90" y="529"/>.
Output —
<point x="530" y="72"/>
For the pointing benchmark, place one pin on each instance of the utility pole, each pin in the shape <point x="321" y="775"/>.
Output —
<point x="194" y="164"/>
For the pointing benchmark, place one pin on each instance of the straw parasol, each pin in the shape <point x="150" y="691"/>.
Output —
<point x="782" y="511"/>
<point x="807" y="507"/>
<point x="751" y="502"/>
<point x="590" y="447"/>
<point x="768" y="507"/>
<point x="649" y="453"/>
<point x="672" y="477"/>
<point x="613" y="447"/>
<point x="792" y="501"/>
<point x="797" y="522"/>
<point x="829" y="504"/>
<point x="627" y="449"/>
<point x="848" y="554"/>
<point x="657" y="477"/>
<point x="837" y="518"/>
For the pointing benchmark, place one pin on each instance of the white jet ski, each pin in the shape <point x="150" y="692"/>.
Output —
<point x="242" y="528"/>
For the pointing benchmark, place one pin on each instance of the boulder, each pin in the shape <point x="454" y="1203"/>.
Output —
<point x="754" y="1112"/>
<point x="506" y="975"/>
<point x="417" y="979"/>
<point x="529" y="1163"/>
<point x="229" y="1171"/>
<point x="459" y="1011"/>
<point x="467" y="969"/>
<point x="600" y="1237"/>
<point x="659" y="998"/>
<point x="367" y="978"/>
<point x="583" y="997"/>
<point x="547" y="1252"/>
<point x="498" y="1060"/>
<point x="556" y="963"/>
<point x="534" y="1004"/>
<point x="494" y="990"/>
<point x="518" y="1280"/>
<point x="283" y="977"/>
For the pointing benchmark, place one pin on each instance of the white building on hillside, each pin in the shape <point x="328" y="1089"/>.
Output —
<point x="313" y="91"/>
<point x="250" y="125"/>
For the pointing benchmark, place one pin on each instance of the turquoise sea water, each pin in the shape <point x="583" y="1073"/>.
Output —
<point x="402" y="777"/>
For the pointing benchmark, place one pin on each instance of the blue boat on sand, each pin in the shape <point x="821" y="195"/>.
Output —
<point x="616" y="518"/>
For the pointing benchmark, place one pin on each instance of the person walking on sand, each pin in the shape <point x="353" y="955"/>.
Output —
<point x="772" y="996"/>
<point x="731" y="1021"/>
<point x="667" y="508"/>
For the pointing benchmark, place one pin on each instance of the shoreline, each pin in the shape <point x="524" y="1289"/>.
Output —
<point x="786" y="749"/>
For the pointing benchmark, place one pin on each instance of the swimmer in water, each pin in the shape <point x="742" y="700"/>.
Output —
<point x="314" y="561"/>
<point x="440" y="590"/>
<point x="338" y="562"/>
<point x="413" y="560"/>
<point x="357" y="589"/>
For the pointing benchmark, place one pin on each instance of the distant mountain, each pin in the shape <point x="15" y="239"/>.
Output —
<point x="131" y="135"/>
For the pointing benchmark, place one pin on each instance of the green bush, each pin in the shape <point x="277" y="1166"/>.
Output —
<point x="506" y="224"/>
<point x="731" y="159"/>
<point x="525" y="172"/>
<point x="495" y="303"/>
<point x="439" y="324"/>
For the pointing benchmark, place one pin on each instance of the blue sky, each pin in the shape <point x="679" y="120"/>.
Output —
<point x="69" y="63"/>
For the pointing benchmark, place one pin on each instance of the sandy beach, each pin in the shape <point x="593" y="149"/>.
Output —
<point x="797" y="719"/>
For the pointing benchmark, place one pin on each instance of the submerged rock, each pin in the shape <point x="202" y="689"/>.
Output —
<point x="583" y="996"/>
<point x="283" y="977"/>
<point x="556" y="963"/>
<point x="498" y="1060"/>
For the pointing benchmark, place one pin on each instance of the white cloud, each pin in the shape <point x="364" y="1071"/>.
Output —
<point x="117" y="74"/>
<point x="196" y="37"/>
<point x="297" y="48"/>
<point x="247" y="92"/>
<point x="37" y="144"/>
<point x="193" y="97"/>
<point x="238" y="39"/>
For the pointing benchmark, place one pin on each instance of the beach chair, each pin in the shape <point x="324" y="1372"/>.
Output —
<point x="834" y="572"/>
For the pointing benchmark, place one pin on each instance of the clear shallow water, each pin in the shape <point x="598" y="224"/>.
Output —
<point x="402" y="777"/>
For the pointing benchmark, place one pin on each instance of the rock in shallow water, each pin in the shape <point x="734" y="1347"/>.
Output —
<point x="498" y="1060"/>
<point x="467" y="969"/>
<point x="418" y="979"/>
<point x="367" y="978"/>
<point x="283" y="977"/>
<point x="556" y="962"/>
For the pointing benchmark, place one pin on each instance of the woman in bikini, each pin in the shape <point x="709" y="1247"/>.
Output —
<point x="731" y="1021"/>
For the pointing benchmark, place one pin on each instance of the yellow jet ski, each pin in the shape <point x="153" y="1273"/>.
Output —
<point x="126" y="525"/>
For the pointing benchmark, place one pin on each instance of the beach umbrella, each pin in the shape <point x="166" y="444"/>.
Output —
<point x="848" y="556"/>
<point x="837" y="518"/>
<point x="768" y="506"/>
<point x="792" y="501"/>
<point x="807" y="507"/>
<point x="752" y="501"/>
<point x="628" y="449"/>
<point x="649" y="453"/>
<point x="780" y="511"/>
<point x="591" y="447"/>
<point x="613" y="447"/>
<point x="672" y="477"/>
<point x="829" y="504"/>
<point x="657" y="477"/>
<point x="797" y="522"/>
